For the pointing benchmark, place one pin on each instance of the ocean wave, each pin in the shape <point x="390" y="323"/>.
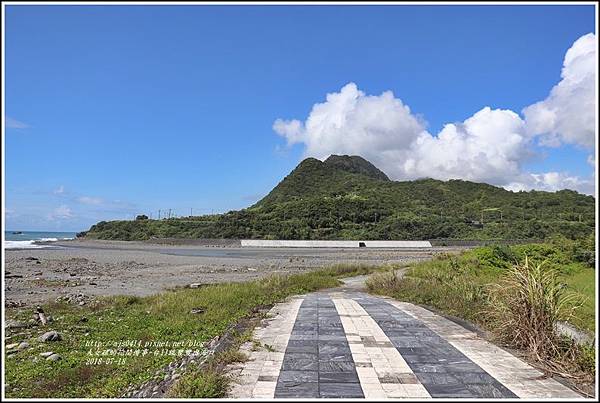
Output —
<point x="22" y="245"/>
<point x="32" y="243"/>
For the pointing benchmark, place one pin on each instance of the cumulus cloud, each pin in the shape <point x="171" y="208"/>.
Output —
<point x="351" y="122"/>
<point x="551" y="182"/>
<point x="491" y="146"/>
<point x="568" y="114"/>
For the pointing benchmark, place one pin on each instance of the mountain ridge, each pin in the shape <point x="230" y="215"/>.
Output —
<point x="347" y="197"/>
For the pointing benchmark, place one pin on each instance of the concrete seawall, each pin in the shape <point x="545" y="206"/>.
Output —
<point x="263" y="243"/>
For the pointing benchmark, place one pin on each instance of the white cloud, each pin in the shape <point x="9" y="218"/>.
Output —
<point x="591" y="159"/>
<point x="61" y="213"/>
<point x="551" y="182"/>
<point x="491" y="146"/>
<point x="60" y="190"/>
<point x="11" y="123"/>
<point x="568" y="114"/>
<point x="89" y="200"/>
<point x="379" y="128"/>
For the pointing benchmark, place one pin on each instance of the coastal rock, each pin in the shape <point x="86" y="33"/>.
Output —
<point x="50" y="336"/>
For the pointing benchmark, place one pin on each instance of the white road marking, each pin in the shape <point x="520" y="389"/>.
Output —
<point x="513" y="373"/>
<point x="258" y="376"/>
<point x="376" y="359"/>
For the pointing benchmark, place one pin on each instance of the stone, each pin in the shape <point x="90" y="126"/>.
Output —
<point x="23" y="345"/>
<point x="46" y="354"/>
<point x="53" y="357"/>
<point x="50" y="336"/>
<point x="11" y="346"/>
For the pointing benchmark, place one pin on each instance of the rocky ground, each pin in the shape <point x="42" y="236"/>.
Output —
<point x="78" y="270"/>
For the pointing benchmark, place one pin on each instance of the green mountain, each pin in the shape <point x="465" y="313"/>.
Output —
<point x="346" y="197"/>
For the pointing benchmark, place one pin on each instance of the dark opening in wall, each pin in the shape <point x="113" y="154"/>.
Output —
<point x="362" y="245"/>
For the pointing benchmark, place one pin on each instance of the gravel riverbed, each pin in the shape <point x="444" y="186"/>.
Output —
<point x="86" y="268"/>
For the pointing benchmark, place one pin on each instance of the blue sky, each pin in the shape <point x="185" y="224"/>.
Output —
<point x="115" y="110"/>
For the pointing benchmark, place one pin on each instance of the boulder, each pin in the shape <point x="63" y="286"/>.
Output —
<point x="50" y="336"/>
<point x="53" y="357"/>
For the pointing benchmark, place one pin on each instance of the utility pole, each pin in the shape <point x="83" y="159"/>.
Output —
<point x="159" y="214"/>
<point x="191" y="211"/>
<point x="169" y="213"/>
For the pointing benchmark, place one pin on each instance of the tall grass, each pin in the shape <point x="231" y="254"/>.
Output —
<point x="526" y="305"/>
<point x="518" y="299"/>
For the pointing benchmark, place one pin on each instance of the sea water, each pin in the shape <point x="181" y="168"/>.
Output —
<point x="28" y="239"/>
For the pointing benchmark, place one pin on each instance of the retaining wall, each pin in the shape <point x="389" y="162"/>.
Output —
<point x="333" y="244"/>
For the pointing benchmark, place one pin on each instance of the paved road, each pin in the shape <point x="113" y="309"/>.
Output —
<point x="345" y="343"/>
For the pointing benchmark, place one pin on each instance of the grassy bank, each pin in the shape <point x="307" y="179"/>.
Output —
<point x="165" y="317"/>
<point x="466" y="286"/>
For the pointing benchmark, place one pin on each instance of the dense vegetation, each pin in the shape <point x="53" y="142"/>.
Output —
<point x="348" y="198"/>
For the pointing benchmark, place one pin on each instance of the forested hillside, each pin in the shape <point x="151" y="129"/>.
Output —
<point x="349" y="198"/>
